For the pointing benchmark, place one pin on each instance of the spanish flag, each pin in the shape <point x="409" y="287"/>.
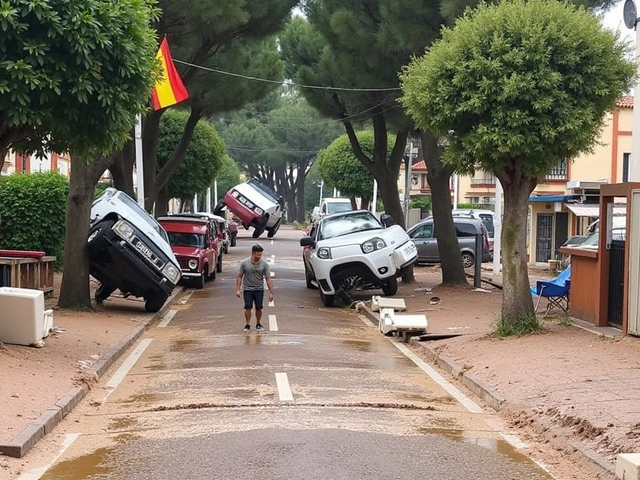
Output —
<point x="169" y="89"/>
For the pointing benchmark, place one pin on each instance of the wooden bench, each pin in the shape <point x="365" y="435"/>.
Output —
<point x="34" y="273"/>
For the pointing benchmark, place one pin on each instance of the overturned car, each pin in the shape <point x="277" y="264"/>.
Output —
<point x="129" y="251"/>
<point x="255" y="205"/>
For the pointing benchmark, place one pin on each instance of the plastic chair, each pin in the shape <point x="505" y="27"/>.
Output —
<point x="555" y="290"/>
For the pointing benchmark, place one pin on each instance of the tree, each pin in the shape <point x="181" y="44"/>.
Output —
<point x="202" y="161"/>
<point x="65" y="63"/>
<point x="339" y="166"/>
<point x="517" y="88"/>
<point x="228" y="176"/>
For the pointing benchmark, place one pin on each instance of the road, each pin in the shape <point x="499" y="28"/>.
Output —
<point x="321" y="394"/>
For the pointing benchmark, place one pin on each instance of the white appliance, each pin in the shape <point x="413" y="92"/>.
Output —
<point x="23" y="319"/>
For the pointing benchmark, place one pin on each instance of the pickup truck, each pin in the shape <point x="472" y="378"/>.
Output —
<point x="129" y="250"/>
<point x="331" y="205"/>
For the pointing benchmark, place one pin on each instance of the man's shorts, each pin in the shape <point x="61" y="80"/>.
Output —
<point x="251" y="297"/>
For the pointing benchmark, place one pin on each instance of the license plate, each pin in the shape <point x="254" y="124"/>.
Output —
<point x="409" y="250"/>
<point x="147" y="253"/>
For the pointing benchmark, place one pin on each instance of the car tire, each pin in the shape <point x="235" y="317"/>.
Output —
<point x="219" y="264"/>
<point x="233" y="242"/>
<point x="391" y="287"/>
<point x="95" y="240"/>
<point x="273" y="230"/>
<point x="103" y="292"/>
<point x="327" y="300"/>
<point x="468" y="260"/>
<point x="199" y="281"/>
<point x="217" y="210"/>
<point x="257" y="231"/>
<point x="154" y="304"/>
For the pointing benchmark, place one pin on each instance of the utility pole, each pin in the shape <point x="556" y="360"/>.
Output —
<point x="407" y="185"/>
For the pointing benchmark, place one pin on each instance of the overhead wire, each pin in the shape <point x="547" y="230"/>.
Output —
<point x="266" y="80"/>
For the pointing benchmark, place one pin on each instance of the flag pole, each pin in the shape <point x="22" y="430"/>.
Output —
<point x="139" y="167"/>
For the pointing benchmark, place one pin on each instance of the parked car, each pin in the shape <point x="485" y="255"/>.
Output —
<point x="218" y="226"/>
<point x="197" y="244"/>
<point x="255" y="205"/>
<point x="423" y="235"/>
<point x="487" y="217"/>
<point x="351" y="251"/>
<point x="331" y="205"/>
<point x="129" y="250"/>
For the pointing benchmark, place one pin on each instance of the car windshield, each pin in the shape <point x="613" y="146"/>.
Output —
<point x="336" y="226"/>
<point x="488" y="223"/>
<point x="195" y="240"/>
<point x="339" y="207"/>
<point x="143" y="214"/>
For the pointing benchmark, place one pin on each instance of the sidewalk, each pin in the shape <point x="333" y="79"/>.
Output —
<point x="576" y="386"/>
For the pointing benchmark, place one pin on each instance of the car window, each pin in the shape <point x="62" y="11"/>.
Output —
<point x="465" y="230"/>
<point x="339" y="207"/>
<point x="345" y="224"/>
<point x="423" y="231"/>
<point x="487" y="220"/>
<point x="187" y="239"/>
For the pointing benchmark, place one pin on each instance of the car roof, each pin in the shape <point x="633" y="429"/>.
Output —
<point x="465" y="219"/>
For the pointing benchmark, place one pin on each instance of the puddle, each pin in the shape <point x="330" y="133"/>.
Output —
<point x="202" y="293"/>
<point x="149" y="398"/>
<point x="87" y="466"/>
<point x="361" y="345"/>
<point x="501" y="447"/>
<point x="181" y="345"/>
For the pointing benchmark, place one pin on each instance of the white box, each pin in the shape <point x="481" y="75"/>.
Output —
<point x="23" y="319"/>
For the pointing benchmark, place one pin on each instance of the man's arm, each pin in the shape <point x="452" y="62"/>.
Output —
<point x="270" y="286"/>
<point x="239" y="285"/>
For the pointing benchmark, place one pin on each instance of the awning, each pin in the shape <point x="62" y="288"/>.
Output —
<point x="582" y="210"/>
<point x="592" y="210"/>
<point x="552" y="198"/>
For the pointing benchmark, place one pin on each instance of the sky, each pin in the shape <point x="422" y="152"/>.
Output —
<point x="613" y="20"/>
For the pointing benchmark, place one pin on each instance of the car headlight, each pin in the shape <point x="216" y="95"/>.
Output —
<point x="193" y="264"/>
<point x="259" y="211"/>
<point x="171" y="272"/>
<point x="324" y="253"/>
<point x="373" y="245"/>
<point x="123" y="229"/>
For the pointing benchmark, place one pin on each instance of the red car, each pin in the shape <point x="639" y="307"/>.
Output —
<point x="197" y="244"/>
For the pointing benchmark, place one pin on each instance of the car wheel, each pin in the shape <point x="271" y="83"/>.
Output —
<point x="273" y="230"/>
<point x="219" y="264"/>
<point x="103" y="292"/>
<point x="468" y="260"/>
<point x="391" y="287"/>
<point x="257" y="231"/>
<point x="154" y="304"/>
<point x="199" y="282"/>
<point x="233" y="242"/>
<point x="96" y="241"/>
<point x="327" y="300"/>
<point x="220" y="206"/>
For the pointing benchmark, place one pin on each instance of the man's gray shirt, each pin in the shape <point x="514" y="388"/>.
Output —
<point x="253" y="274"/>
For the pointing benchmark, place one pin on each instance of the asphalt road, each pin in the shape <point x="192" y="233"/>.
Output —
<point x="319" y="395"/>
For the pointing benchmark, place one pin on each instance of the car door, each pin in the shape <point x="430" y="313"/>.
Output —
<point x="308" y="250"/>
<point x="425" y="242"/>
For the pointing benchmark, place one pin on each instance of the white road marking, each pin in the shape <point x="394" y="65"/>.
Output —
<point x="514" y="441"/>
<point x="127" y="365"/>
<point x="272" y="241"/>
<point x="272" y="274"/>
<point x="272" y="303"/>
<point x="273" y="323"/>
<point x="284" y="390"/>
<point x="469" y="404"/>
<point x="36" y="473"/>
<point x="272" y="260"/>
<point x="167" y="318"/>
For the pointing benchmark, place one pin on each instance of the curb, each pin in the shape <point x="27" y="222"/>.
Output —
<point x="52" y="416"/>
<point x="490" y="396"/>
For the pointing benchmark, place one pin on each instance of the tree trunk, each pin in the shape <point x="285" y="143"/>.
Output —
<point x="439" y="177"/>
<point x="517" y="303"/>
<point x="162" y="203"/>
<point x="74" y="291"/>
<point x="122" y="169"/>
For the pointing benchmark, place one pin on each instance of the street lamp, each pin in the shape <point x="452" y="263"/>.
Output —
<point x="630" y="16"/>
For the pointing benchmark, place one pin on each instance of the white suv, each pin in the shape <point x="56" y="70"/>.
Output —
<point x="351" y="251"/>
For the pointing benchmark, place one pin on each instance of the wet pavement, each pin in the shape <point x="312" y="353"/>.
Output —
<point x="320" y="394"/>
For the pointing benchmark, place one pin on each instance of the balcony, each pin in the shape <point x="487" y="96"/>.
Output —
<point x="559" y="173"/>
<point x="487" y="182"/>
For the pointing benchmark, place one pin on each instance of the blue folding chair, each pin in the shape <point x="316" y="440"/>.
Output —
<point x="555" y="290"/>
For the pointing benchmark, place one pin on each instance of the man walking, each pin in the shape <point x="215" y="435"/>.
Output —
<point x="251" y="273"/>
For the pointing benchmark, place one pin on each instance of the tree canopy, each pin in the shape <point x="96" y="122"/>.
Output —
<point x="516" y="88"/>
<point x="75" y="73"/>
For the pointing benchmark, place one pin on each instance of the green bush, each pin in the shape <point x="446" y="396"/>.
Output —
<point x="32" y="213"/>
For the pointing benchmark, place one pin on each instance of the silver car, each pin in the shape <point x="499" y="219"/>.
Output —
<point x="423" y="236"/>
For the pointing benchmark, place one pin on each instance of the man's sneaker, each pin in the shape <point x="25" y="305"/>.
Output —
<point x="259" y="327"/>
<point x="247" y="327"/>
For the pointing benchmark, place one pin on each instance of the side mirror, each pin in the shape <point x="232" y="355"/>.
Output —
<point x="386" y="220"/>
<point x="306" y="242"/>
